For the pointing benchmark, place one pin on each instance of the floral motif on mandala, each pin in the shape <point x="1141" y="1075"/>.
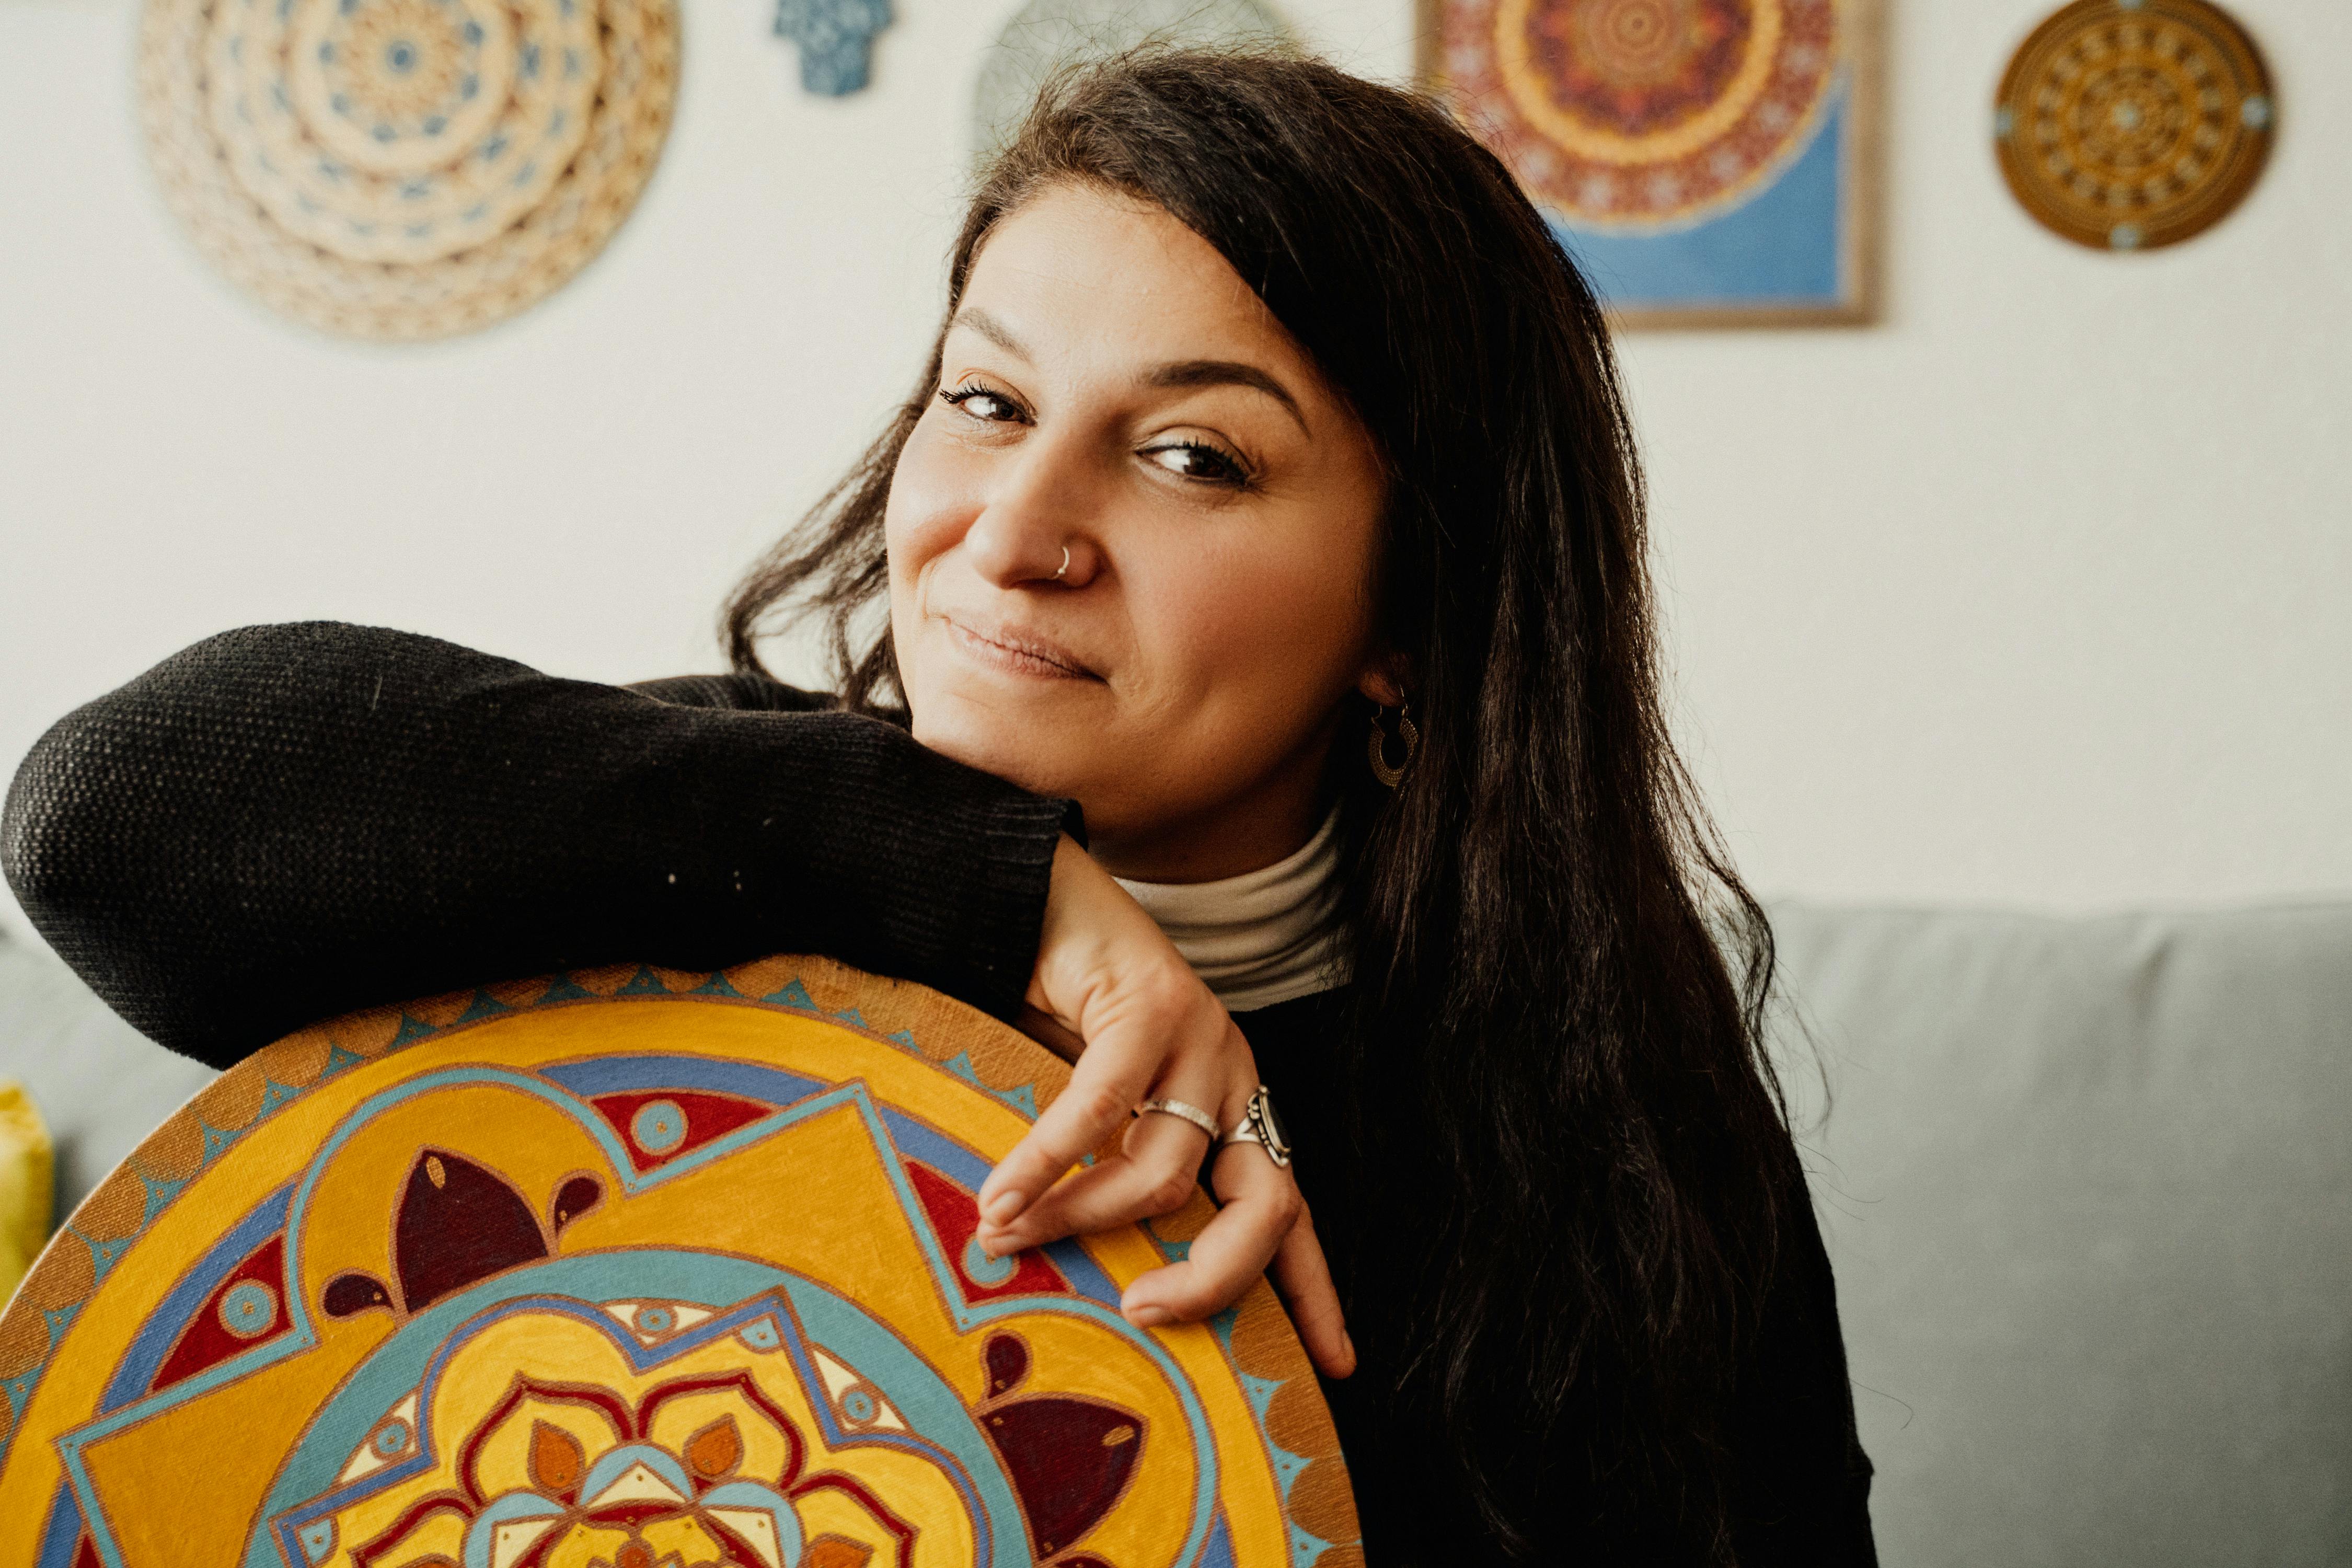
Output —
<point x="602" y="1494"/>
<point x="707" y="1468"/>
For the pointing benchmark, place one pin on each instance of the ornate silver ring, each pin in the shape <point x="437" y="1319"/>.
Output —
<point x="1259" y="1125"/>
<point x="1182" y="1112"/>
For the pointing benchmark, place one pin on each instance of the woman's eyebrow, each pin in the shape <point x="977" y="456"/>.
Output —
<point x="995" y="330"/>
<point x="1226" y="373"/>
<point x="1176" y="375"/>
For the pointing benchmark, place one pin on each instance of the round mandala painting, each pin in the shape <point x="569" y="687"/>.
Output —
<point x="2126" y="124"/>
<point x="633" y="1268"/>
<point x="1642" y="115"/>
<point x="405" y="168"/>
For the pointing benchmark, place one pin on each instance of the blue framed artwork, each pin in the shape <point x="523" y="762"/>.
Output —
<point x="1709" y="162"/>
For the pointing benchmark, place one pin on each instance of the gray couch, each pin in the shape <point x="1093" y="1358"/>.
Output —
<point x="2088" y="1185"/>
<point x="101" y="1085"/>
<point x="2088" y="1189"/>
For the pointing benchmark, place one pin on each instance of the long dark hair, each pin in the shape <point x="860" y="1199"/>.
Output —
<point x="1556" y="1078"/>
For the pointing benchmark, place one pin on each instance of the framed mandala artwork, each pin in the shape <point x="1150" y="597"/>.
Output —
<point x="1709" y="162"/>
<point x="635" y="1268"/>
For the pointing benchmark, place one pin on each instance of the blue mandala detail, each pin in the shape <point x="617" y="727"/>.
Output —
<point x="249" y="1310"/>
<point x="983" y="1270"/>
<point x="658" y="1126"/>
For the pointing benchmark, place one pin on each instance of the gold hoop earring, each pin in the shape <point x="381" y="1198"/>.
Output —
<point x="1377" y="746"/>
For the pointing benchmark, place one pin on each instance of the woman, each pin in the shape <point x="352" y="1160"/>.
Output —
<point x="1269" y="506"/>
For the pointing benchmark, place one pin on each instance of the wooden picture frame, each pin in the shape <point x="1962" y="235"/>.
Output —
<point x="1738" y="188"/>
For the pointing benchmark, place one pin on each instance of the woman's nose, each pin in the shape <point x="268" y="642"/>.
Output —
<point x="1035" y="527"/>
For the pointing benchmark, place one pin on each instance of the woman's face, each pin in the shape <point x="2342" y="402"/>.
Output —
<point x="1111" y="389"/>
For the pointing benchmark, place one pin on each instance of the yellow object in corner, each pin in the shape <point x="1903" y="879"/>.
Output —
<point x="28" y="1185"/>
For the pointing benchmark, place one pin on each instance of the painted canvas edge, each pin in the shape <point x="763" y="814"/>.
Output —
<point x="1261" y="1343"/>
<point x="1863" y="169"/>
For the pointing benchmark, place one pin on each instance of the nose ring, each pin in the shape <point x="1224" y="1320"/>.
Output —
<point x="1065" y="566"/>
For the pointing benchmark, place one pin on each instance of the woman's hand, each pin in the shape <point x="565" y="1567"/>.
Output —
<point x="1111" y="994"/>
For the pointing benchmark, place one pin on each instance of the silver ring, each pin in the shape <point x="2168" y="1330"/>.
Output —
<point x="1259" y="1125"/>
<point x="1065" y="566"/>
<point x="1182" y="1112"/>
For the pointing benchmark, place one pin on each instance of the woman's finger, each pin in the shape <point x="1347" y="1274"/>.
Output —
<point x="1155" y="1173"/>
<point x="1122" y="1001"/>
<point x="1303" y="1274"/>
<point x="1261" y="1205"/>
<point x="1128" y="1041"/>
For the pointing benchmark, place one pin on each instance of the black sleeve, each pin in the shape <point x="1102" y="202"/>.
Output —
<point x="738" y="692"/>
<point x="286" y="823"/>
<point x="1802" y="1481"/>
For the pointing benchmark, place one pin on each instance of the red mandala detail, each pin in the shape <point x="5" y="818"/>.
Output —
<point x="1642" y="114"/>
<point x="1639" y="65"/>
<point x="706" y="1117"/>
<point x="955" y="1214"/>
<point x="219" y="1330"/>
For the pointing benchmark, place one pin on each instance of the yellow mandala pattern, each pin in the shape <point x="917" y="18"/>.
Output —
<point x="635" y="1268"/>
<point x="1642" y="115"/>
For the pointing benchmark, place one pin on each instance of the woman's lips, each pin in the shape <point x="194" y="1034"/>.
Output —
<point x="1016" y="652"/>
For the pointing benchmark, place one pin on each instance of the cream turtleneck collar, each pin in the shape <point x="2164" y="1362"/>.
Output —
<point x="1263" y="937"/>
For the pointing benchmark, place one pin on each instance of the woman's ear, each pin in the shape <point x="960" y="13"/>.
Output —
<point x="1382" y="683"/>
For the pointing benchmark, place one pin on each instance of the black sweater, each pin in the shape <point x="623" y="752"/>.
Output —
<point x="287" y="822"/>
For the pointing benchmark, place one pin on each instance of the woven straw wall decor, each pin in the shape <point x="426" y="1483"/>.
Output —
<point x="404" y="169"/>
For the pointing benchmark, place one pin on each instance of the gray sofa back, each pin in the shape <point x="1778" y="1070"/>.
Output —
<point x="2087" y="1186"/>
<point x="100" y="1084"/>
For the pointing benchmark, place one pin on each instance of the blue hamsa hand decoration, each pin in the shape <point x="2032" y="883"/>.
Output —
<point x="835" y="39"/>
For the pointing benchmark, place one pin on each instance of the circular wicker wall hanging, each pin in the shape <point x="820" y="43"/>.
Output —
<point x="2126" y="124"/>
<point x="405" y="168"/>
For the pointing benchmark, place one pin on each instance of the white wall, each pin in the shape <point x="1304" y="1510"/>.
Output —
<point x="2039" y="593"/>
<point x="2034" y="594"/>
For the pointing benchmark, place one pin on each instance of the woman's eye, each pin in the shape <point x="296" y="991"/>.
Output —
<point x="981" y="404"/>
<point x="1198" y="460"/>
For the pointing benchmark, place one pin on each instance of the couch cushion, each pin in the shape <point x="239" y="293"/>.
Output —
<point x="100" y="1084"/>
<point x="2088" y="1188"/>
